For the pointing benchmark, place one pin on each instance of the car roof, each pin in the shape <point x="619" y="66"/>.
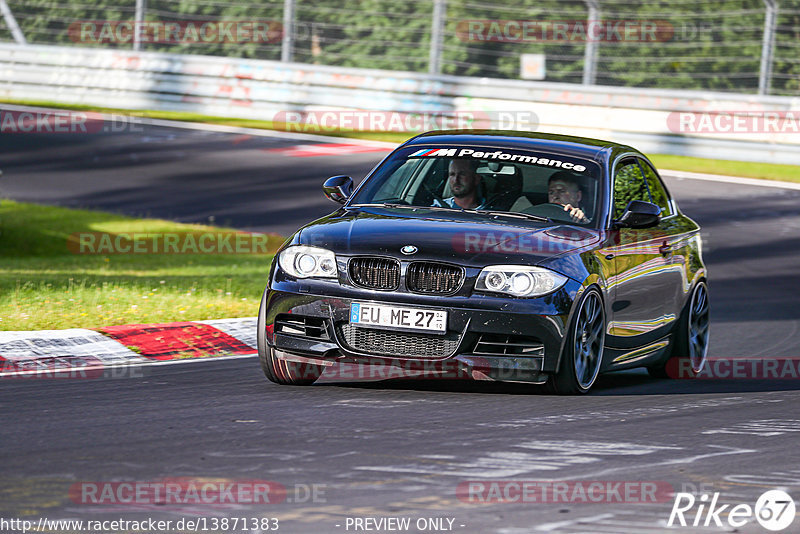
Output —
<point x="585" y="147"/>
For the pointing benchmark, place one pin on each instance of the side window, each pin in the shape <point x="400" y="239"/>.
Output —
<point x="628" y="185"/>
<point x="657" y="190"/>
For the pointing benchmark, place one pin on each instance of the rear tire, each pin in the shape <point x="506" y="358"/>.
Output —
<point x="276" y="368"/>
<point x="690" y="346"/>
<point x="582" y="355"/>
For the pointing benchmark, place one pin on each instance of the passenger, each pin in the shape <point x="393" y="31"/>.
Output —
<point x="464" y="185"/>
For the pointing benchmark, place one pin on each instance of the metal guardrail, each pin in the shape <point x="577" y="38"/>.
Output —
<point x="261" y="89"/>
<point x="744" y="46"/>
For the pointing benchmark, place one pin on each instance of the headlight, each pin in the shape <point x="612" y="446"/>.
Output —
<point x="306" y="262"/>
<point x="519" y="280"/>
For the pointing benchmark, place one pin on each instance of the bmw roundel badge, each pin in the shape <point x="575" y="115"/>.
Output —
<point x="408" y="250"/>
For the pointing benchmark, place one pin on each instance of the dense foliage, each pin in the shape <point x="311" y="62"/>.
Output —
<point x="703" y="44"/>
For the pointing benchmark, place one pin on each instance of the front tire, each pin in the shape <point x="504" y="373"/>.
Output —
<point x="688" y="355"/>
<point x="273" y="362"/>
<point x="582" y="355"/>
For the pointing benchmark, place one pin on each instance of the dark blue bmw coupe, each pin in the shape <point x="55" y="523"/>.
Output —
<point x="492" y="255"/>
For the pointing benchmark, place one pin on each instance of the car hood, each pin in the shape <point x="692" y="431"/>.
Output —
<point x="458" y="237"/>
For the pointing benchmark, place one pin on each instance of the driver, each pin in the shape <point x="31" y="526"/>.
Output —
<point x="464" y="185"/>
<point x="563" y="189"/>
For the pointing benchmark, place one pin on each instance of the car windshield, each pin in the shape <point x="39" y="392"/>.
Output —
<point x="526" y="183"/>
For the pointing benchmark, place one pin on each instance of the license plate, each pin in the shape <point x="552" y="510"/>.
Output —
<point x="398" y="317"/>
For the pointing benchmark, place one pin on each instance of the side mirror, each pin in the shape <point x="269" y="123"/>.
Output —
<point x="338" y="188"/>
<point x="639" y="214"/>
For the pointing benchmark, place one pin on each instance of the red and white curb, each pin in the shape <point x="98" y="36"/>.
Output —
<point x="325" y="149"/>
<point x="52" y="351"/>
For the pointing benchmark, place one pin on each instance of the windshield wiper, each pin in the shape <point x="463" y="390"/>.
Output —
<point x="517" y="214"/>
<point x="411" y="206"/>
<point x="382" y="205"/>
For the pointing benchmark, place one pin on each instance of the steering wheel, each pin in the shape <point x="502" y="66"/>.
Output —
<point x="550" y="210"/>
<point x="553" y="211"/>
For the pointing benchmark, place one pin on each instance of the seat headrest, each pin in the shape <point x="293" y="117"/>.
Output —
<point x="503" y="178"/>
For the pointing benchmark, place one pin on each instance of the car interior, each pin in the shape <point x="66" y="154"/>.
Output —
<point x="506" y="186"/>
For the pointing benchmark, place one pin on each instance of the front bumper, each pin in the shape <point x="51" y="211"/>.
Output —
<point x="309" y="321"/>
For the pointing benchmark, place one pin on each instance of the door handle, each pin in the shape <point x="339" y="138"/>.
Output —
<point x="665" y="249"/>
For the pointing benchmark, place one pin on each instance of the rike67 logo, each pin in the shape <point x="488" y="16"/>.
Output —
<point x="774" y="510"/>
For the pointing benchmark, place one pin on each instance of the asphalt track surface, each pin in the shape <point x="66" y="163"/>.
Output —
<point x="396" y="448"/>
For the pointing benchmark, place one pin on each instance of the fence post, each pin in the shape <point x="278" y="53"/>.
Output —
<point x="437" y="37"/>
<point x="590" y="52"/>
<point x="11" y="22"/>
<point x="138" y="22"/>
<point x="287" y="45"/>
<point x="767" y="47"/>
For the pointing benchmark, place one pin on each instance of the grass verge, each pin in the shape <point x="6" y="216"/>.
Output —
<point x="747" y="169"/>
<point x="44" y="285"/>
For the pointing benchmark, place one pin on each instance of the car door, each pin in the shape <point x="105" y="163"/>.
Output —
<point x="643" y="281"/>
<point x="678" y="234"/>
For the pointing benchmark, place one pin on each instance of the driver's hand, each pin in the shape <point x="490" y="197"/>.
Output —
<point x="576" y="214"/>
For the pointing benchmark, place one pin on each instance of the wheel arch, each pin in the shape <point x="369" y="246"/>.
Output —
<point x="593" y="281"/>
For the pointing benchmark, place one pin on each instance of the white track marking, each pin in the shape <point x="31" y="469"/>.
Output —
<point x="761" y="427"/>
<point x="771" y="480"/>
<point x="603" y="448"/>
<point x="674" y="461"/>
<point x="549" y="527"/>
<point x="622" y="522"/>
<point x="548" y="456"/>
<point x="730" y="179"/>
<point x="616" y="415"/>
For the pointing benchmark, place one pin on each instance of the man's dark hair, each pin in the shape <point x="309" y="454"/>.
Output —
<point x="472" y="162"/>
<point x="566" y="176"/>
